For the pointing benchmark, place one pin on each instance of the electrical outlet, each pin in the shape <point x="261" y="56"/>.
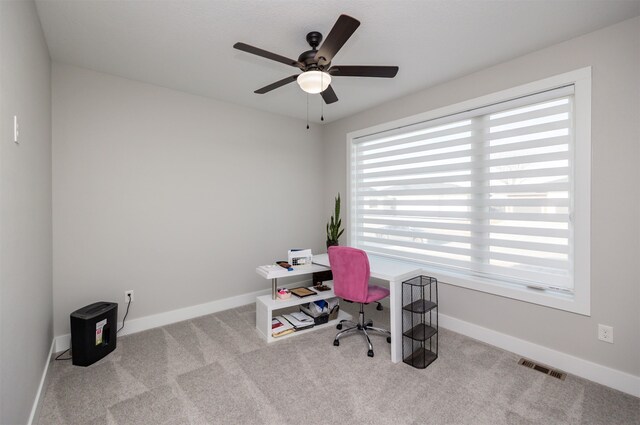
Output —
<point x="126" y="296"/>
<point x="605" y="333"/>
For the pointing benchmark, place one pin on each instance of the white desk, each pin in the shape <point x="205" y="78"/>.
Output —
<point x="394" y="272"/>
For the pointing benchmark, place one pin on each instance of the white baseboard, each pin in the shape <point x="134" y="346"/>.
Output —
<point x="37" y="403"/>
<point x="63" y="342"/>
<point x="604" y="375"/>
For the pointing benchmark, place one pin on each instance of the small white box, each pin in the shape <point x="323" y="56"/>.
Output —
<point x="300" y="257"/>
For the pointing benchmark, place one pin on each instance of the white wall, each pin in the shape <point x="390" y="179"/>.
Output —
<point x="614" y="54"/>
<point x="25" y="209"/>
<point x="175" y="196"/>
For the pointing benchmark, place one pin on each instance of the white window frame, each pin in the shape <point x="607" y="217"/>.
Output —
<point x="578" y="302"/>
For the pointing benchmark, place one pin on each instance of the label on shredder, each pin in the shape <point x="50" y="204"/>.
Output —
<point x="99" y="327"/>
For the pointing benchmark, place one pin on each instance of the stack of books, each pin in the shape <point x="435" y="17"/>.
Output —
<point x="288" y="323"/>
<point x="280" y="326"/>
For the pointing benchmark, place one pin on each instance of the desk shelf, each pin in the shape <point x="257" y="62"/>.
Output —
<point x="265" y="307"/>
<point x="420" y="321"/>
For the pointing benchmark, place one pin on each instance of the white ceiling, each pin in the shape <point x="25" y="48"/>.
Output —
<point x="187" y="45"/>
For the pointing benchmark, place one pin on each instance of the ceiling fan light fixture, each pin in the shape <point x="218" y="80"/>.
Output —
<point x="314" y="81"/>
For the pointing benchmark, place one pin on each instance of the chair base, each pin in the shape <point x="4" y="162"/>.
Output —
<point x="362" y="328"/>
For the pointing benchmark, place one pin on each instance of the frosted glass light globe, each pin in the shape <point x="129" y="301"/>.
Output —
<point x="314" y="81"/>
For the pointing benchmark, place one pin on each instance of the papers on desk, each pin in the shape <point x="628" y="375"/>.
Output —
<point x="271" y="267"/>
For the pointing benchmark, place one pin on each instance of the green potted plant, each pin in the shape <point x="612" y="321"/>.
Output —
<point x="333" y="226"/>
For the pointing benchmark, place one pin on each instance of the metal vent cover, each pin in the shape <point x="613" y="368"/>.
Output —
<point x="541" y="368"/>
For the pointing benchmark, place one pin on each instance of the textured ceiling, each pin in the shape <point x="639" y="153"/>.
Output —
<point x="187" y="45"/>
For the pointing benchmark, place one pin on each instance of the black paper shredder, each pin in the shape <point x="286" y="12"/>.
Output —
<point x="93" y="332"/>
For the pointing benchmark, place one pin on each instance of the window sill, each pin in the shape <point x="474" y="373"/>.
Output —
<point x="567" y="302"/>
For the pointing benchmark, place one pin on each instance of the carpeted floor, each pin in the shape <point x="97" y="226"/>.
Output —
<point x="216" y="370"/>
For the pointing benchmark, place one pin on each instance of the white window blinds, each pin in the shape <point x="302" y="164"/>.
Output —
<point x="486" y="192"/>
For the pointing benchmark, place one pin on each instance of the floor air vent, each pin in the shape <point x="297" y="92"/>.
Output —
<point x="543" y="369"/>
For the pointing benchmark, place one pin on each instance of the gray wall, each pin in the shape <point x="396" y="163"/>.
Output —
<point x="175" y="196"/>
<point x="25" y="209"/>
<point x="614" y="54"/>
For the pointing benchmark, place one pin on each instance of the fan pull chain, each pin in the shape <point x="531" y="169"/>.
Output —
<point x="321" y="99"/>
<point x="307" y="111"/>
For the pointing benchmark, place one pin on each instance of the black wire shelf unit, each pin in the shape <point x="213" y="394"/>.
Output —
<point x="420" y="321"/>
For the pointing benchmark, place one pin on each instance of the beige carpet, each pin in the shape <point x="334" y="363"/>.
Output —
<point x="216" y="370"/>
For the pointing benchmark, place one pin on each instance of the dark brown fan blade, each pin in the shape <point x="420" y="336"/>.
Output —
<point x="363" y="71"/>
<point x="256" y="51"/>
<point x="344" y="27"/>
<point x="329" y="95"/>
<point x="277" y="84"/>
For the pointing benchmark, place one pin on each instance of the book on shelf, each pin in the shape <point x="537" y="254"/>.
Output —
<point x="280" y="326"/>
<point x="299" y="320"/>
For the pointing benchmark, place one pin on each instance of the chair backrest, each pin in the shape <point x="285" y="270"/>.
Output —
<point x="350" y="268"/>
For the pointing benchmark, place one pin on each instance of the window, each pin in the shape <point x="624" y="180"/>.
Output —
<point x="485" y="196"/>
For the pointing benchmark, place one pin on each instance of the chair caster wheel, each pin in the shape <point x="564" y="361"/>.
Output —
<point x="389" y="339"/>
<point x="336" y="342"/>
<point x="339" y="327"/>
<point x="379" y="307"/>
<point x="370" y="353"/>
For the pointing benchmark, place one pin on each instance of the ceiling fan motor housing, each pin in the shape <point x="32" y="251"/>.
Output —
<point x="308" y="58"/>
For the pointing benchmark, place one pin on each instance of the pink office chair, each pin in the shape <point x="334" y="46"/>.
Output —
<point x="350" y="267"/>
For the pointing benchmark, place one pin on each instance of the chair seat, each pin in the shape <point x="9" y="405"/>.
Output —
<point x="374" y="293"/>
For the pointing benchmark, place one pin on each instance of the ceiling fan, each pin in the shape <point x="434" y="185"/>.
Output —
<point x="315" y="64"/>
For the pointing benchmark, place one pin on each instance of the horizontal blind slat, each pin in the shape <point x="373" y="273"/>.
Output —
<point x="469" y="227"/>
<point x="532" y="144"/>
<point x="419" y="234"/>
<point x="502" y="175"/>
<point x="417" y="171"/>
<point x="529" y="260"/>
<point x="477" y="240"/>
<point x="468" y="215"/>
<point x="541" y="202"/>
<point x="443" y="249"/>
<point x="524" y="131"/>
<point x="408" y="135"/>
<point x="418" y="160"/>
<point x="415" y="202"/>
<point x="539" y="113"/>
<point x="398" y="252"/>
<point x="536" y="172"/>
<point x="454" y="138"/>
<point x="415" y="181"/>
<point x="549" y="187"/>
<point x="529" y="231"/>
<point x="393" y="221"/>
<point x="529" y="159"/>
<point x="530" y="246"/>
